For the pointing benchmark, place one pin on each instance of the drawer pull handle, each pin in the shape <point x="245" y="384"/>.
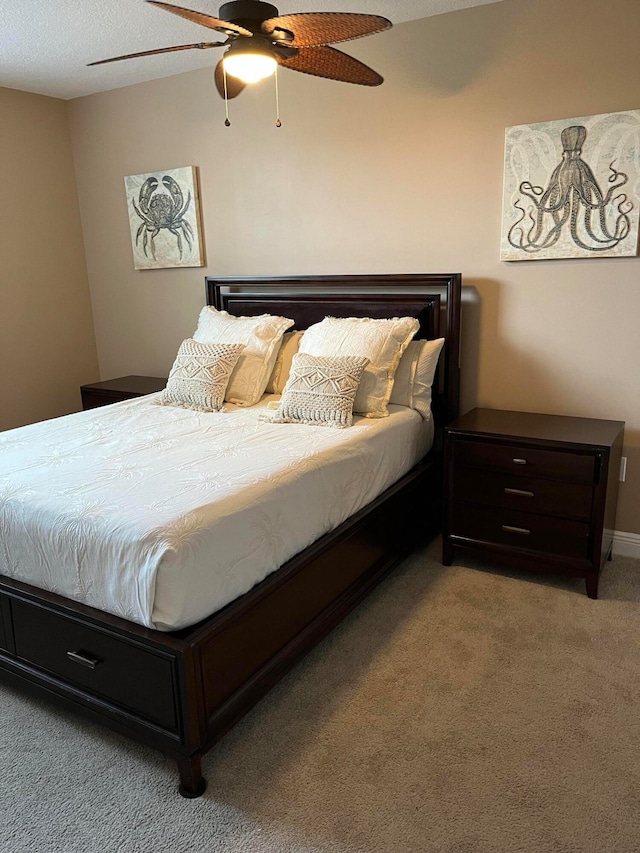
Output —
<point x="518" y="461"/>
<point x="84" y="659"/>
<point x="521" y="530"/>
<point x="522" y="492"/>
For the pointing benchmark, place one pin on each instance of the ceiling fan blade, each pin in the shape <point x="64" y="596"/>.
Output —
<point x="323" y="61"/>
<point x="319" y="28"/>
<point x="201" y="18"/>
<point x="234" y="86"/>
<point x="203" y="45"/>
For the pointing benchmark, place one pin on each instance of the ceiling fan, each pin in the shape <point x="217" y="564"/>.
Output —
<point x="259" y="40"/>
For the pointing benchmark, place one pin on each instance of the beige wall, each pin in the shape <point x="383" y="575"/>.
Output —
<point x="47" y="346"/>
<point x="404" y="178"/>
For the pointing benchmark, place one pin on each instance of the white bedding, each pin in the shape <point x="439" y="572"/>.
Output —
<point x="164" y="515"/>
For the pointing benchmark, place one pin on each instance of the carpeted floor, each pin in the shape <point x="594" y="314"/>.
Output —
<point x="461" y="709"/>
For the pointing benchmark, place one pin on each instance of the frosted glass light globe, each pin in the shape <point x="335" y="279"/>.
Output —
<point x="250" y="67"/>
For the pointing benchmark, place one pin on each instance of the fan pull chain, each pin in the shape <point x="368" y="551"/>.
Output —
<point x="227" y="123"/>
<point x="278" y="122"/>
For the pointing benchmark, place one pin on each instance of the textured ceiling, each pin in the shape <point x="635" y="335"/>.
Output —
<point x="45" y="45"/>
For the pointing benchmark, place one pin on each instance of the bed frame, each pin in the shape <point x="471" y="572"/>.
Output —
<point x="180" y="692"/>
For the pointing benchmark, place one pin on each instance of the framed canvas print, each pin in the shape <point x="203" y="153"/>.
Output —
<point x="164" y="218"/>
<point x="572" y="188"/>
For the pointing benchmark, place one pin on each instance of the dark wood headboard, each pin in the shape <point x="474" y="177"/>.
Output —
<point x="434" y="299"/>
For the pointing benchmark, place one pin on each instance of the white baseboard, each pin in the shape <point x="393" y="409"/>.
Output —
<point x="626" y="544"/>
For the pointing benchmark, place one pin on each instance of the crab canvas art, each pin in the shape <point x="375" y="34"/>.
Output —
<point x="164" y="219"/>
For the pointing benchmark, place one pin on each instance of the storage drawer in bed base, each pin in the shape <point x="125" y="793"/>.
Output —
<point x="138" y="679"/>
<point x="41" y="684"/>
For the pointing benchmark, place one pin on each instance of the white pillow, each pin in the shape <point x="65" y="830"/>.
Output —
<point x="199" y="376"/>
<point x="414" y="376"/>
<point x="261" y="337"/>
<point x="282" y="367"/>
<point x="381" y="341"/>
<point x="320" y="391"/>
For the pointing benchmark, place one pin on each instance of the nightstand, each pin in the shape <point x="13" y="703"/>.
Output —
<point x="532" y="491"/>
<point x="115" y="390"/>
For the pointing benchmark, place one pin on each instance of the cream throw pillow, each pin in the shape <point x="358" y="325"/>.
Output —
<point x="200" y="375"/>
<point x="415" y="374"/>
<point x="320" y="391"/>
<point x="381" y="341"/>
<point x="261" y="337"/>
<point x="282" y="367"/>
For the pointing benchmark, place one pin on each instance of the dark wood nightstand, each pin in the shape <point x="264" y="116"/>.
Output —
<point x="115" y="390"/>
<point x="532" y="491"/>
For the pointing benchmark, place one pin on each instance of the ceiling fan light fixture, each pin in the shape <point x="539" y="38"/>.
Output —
<point x="259" y="40"/>
<point x="250" y="60"/>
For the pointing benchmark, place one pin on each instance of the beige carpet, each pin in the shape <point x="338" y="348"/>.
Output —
<point x="459" y="709"/>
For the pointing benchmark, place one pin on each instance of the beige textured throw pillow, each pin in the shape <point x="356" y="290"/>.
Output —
<point x="415" y="375"/>
<point x="261" y="337"/>
<point x="320" y="391"/>
<point x="381" y="341"/>
<point x="200" y="375"/>
<point x="282" y="368"/>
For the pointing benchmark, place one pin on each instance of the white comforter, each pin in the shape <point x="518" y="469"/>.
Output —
<point x="164" y="515"/>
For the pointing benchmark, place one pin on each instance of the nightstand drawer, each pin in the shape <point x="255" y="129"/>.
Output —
<point x="554" y="464"/>
<point x="527" y="494"/>
<point x="131" y="676"/>
<point x="557" y="536"/>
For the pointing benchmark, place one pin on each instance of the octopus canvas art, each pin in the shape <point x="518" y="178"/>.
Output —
<point x="572" y="188"/>
<point x="164" y="219"/>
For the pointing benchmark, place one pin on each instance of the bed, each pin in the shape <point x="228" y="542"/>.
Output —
<point x="180" y="688"/>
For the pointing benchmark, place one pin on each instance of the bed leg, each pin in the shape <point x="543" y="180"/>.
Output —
<point x="192" y="782"/>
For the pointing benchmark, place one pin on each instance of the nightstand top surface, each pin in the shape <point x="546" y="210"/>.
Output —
<point x="130" y="384"/>
<point x="535" y="426"/>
